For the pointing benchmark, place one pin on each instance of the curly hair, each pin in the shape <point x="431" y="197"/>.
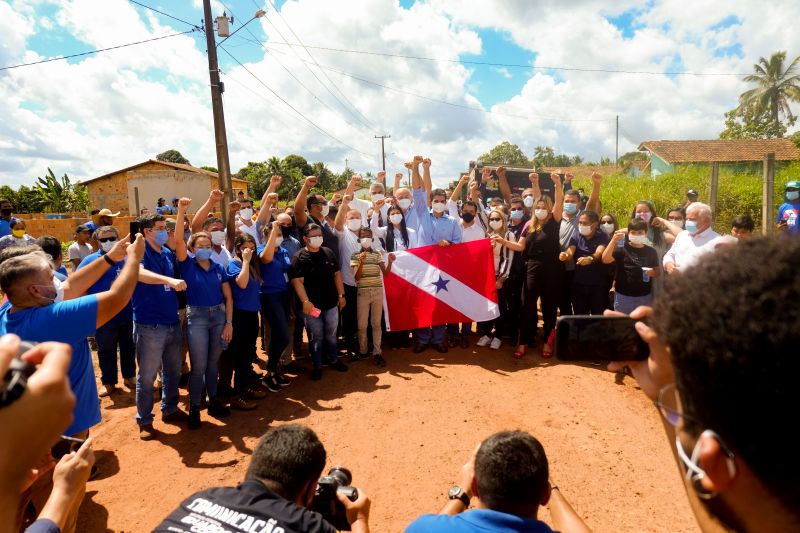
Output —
<point x="731" y="324"/>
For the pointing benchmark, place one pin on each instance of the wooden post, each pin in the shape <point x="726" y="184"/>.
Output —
<point x="136" y="201"/>
<point x="767" y="207"/>
<point x="712" y="199"/>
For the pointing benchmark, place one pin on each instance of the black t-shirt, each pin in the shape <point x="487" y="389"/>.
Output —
<point x="317" y="270"/>
<point x="517" y="263"/>
<point x="249" y="507"/>
<point x="629" y="262"/>
<point x="542" y="247"/>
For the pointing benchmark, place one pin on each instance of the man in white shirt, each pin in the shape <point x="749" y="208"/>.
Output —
<point x="80" y="248"/>
<point x="690" y="244"/>
<point x="377" y="191"/>
<point x="246" y="222"/>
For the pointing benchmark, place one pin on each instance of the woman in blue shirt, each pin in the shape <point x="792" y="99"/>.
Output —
<point x="275" y="301"/>
<point x="209" y="318"/>
<point x="590" y="284"/>
<point x="244" y="275"/>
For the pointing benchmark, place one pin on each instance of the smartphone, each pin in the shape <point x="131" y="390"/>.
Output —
<point x="598" y="338"/>
<point x="65" y="445"/>
<point x="133" y="229"/>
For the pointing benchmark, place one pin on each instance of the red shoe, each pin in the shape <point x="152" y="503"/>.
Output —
<point x="520" y="352"/>
<point x="547" y="348"/>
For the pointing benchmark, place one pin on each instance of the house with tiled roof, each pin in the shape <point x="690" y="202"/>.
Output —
<point x="742" y="155"/>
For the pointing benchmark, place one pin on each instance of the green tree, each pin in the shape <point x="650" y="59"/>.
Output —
<point x="296" y="161"/>
<point x="795" y="137"/>
<point x="210" y="169"/>
<point x="775" y="87"/>
<point x="544" y="156"/>
<point x="506" y="153"/>
<point x="172" y="156"/>
<point x="61" y="195"/>
<point x="257" y="175"/>
<point x="753" y="123"/>
<point x="577" y="160"/>
<point x="605" y="161"/>
<point x="632" y="156"/>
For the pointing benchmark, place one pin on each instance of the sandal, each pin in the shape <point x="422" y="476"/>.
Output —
<point x="547" y="347"/>
<point x="520" y="351"/>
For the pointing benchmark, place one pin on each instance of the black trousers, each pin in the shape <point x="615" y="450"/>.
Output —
<point x="238" y="357"/>
<point x="545" y="284"/>
<point x="565" y="292"/>
<point x="589" y="299"/>
<point x="512" y="299"/>
<point x="350" y="318"/>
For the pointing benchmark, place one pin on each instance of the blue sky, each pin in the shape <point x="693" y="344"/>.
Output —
<point x="94" y="114"/>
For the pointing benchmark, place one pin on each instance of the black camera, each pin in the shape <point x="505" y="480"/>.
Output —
<point x="14" y="383"/>
<point x="325" y="501"/>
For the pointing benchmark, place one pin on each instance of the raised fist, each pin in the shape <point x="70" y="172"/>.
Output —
<point x="216" y="195"/>
<point x="426" y="162"/>
<point x="408" y="165"/>
<point x="184" y="202"/>
<point x="275" y="180"/>
<point x="596" y="177"/>
<point x="398" y="175"/>
<point x="272" y="198"/>
<point x="418" y="159"/>
<point x="310" y="182"/>
<point x="501" y="171"/>
<point x="534" y="177"/>
<point x="381" y="175"/>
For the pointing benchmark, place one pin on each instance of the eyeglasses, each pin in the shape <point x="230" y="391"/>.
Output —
<point x="106" y="239"/>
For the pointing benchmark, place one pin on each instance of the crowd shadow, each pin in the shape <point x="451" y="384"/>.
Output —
<point x="92" y="515"/>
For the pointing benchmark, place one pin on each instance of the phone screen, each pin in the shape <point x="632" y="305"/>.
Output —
<point x="134" y="229"/>
<point x="598" y="338"/>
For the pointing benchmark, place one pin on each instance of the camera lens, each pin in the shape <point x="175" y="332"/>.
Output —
<point x="342" y="475"/>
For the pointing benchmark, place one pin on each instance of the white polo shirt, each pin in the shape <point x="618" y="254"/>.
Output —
<point x="688" y="248"/>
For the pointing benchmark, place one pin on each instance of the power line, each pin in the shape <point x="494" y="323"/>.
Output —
<point x="166" y="14"/>
<point x="96" y="51"/>
<point x="309" y="121"/>
<point x="516" y="65"/>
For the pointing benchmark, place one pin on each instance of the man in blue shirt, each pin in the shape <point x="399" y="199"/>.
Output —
<point x="6" y="208"/>
<point x="27" y="280"/>
<point x="156" y="331"/>
<point x="509" y="476"/>
<point x="789" y="211"/>
<point x="435" y="227"/>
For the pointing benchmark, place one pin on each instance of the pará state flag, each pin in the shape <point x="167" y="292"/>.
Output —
<point x="436" y="285"/>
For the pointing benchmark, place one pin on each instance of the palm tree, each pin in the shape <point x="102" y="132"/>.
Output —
<point x="776" y="87"/>
<point x="275" y="166"/>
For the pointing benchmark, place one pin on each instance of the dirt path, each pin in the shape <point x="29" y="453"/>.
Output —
<point x="404" y="431"/>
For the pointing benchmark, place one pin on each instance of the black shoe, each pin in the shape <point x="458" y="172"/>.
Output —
<point x="293" y="368"/>
<point x="452" y="341"/>
<point x="175" y="418"/>
<point x="217" y="409"/>
<point x="339" y="366"/>
<point x="465" y="342"/>
<point x="316" y="374"/>
<point x="441" y="347"/>
<point x="272" y="384"/>
<point x="282" y="380"/>
<point x="379" y="361"/>
<point x="194" y="417"/>
<point x="358" y="356"/>
<point x="419" y="347"/>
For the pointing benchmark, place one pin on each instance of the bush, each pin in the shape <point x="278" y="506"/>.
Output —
<point x="738" y="194"/>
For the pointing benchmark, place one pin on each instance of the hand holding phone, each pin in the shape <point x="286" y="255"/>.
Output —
<point x="598" y="338"/>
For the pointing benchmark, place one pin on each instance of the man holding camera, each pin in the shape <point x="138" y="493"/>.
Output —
<point x="507" y="479"/>
<point x="276" y="495"/>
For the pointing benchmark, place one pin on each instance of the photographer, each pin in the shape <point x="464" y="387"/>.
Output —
<point x="507" y="480"/>
<point x="276" y="494"/>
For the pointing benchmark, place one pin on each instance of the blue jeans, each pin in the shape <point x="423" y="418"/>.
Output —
<point x="432" y="335"/>
<point x="626" y="304"/>
<point x="275" y="307"/>
<point x="322" y="336"/>
<point x="158" y="346"/>
<point x="108" y="337"/>
<point x="204" y="327"/>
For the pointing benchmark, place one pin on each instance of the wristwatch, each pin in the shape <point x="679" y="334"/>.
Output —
<point x="457" y="493"/>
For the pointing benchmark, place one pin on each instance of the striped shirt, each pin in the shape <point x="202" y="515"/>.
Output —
<point x="504" y="257"/>
<point x="370" y="271"/>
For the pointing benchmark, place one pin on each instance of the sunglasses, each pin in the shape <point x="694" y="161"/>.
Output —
<point x="107" y="239"/>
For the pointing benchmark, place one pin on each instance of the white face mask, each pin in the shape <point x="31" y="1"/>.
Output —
<point x="528" y="201"/>
<point x="378" y="196"/>
<point x="438" y="207"/>
<point x="607" y="227"/>
<point x="246" y="213"/>
<point x="325" y="210"/>
<point x="107" y="246"/>
<point x="584" y="230"/>
<point x="278" y="240"/>
<point x="637" y="239"/>
<point x="404" y="203"/>
<point x="366" y="242"/>
<point x="354" y="224"/>
<point x="495" y="224"/>
<point x="541" y="214"/>
<point x="315" y="242"/>
<point x="397" y="218"/>
<point x="217" y="238"/>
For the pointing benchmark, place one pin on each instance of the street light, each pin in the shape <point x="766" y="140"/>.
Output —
<point x="260" y="13"/>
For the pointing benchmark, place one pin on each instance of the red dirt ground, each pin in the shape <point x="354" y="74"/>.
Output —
<point x="404" y="431"/>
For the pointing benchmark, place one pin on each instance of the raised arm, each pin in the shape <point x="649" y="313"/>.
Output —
<point x="564" y="517"/>
<point x="558" y="207"/>
<point x="426" y="175"/>
<point x="202" y="214"/>
<point x="608" y="253"/>
<point x="460" y="185"/>
<point x="243" y="278"/>
<point x="268" y="253"/>
<point x="511" y="245"/>
<point x="180" y="244"/>
<point x="416" y="179"/>
<point x="594" y="197"/>
<point x="230" y="224"/>
<point x="378" y="231"/>
<point x="264" y="214"/>
<point x="502" y="180"/>
<point x="381" y="178"/>
<point x="338" y="222"/>
<point x="534" y="179"/>
<point x="112" y="301"/>
<point x="79" y="282"/>
<point x="300" y="215"/>
<point x="398" y="179"/>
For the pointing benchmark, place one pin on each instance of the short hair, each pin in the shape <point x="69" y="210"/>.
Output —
<point x="15" y="269"/>
<point x="312" y="200"/>
<point x="516" y="200"/>
<point x="733" y="346"/>
<point x="290" y="455"/>
<point x="15" y="251"/>
<point x="743" y="222"/>
<point x="103" y="229"/>
<point x="149" y="221"/>
<point x="245" y="200"/>
<point x="593" y="217"/>
<point x="309" y="228"/>
<point x="94" y="211"/>
<point x="438" y="192"/>
<point x="212" y="220"/>
<point x="704" y="210"/>
<point x="364" y="229"/>
<point x="511" y="472"/>
<point x="679" y="209"/>
<point x="197" y="236"/>
<point x="471" y="204"/>
<point x="572" y="192"/>
<point x="50" y="245"/>
<point x="377" y="185"/>
<point x="637" y="224"/>
<point x="16" y="222"/>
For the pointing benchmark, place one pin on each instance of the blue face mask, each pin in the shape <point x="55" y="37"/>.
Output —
<point x="516" y="215"/>
<point x="161" y="237"/>
<point x="792" y="195"/>
<point x="691" y="226"/>
<point x="203" y="254"/>
<point x="570" y="209"/>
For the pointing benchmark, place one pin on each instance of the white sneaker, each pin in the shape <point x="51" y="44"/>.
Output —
<point x="496" y="343"/>
<point x="484" y="341"/>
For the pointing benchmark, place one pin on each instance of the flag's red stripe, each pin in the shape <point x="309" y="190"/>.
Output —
<point x="412" y="308"/>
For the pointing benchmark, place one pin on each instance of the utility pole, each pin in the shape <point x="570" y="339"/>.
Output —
<point x="383" y="151"/>
<point x="345" y="163"/>
<point x="616" y="148"/>
<point x="220" y="137"/>
<point x="768" y="195"/>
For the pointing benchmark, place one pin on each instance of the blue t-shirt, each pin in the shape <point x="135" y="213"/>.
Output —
<point x="69" y="322"/>
<point x="61" y="273"/>
<point x="275" y="275"/>
<point x="790" y="213"/>
<point x="5" y="226"/>
<point x="105" y="282"/>
<point x="246" y="299"/>
<point x="203" y="287"/>
<point x="476" y="520"/>
<point x="597" y="272"/>
<point x="156" y="304"/>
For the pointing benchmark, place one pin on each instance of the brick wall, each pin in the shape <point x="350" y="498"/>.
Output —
<point x="63" y="229"/>
<point x="110" y="192"/>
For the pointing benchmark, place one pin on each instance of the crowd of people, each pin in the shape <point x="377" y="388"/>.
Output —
<point x="186" y="299"/>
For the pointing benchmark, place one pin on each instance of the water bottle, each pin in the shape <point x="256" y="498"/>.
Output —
<point x="646" y="274"/>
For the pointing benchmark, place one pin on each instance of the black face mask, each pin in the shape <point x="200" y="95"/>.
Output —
<point x="468" y="217"/>
<point x="285" y="231"/>
<point x="5" y="212"/>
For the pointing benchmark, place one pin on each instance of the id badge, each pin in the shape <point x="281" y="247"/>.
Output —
<point x="286" y="277"/>
<point x="166" y="288"/>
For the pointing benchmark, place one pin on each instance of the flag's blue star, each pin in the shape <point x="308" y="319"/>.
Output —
<point x="441" y="284"/>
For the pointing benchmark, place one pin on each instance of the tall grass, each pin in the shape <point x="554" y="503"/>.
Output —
<point x="738" y="193"/>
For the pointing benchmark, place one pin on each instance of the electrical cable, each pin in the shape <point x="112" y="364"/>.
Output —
<point x="166" y="14"/>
